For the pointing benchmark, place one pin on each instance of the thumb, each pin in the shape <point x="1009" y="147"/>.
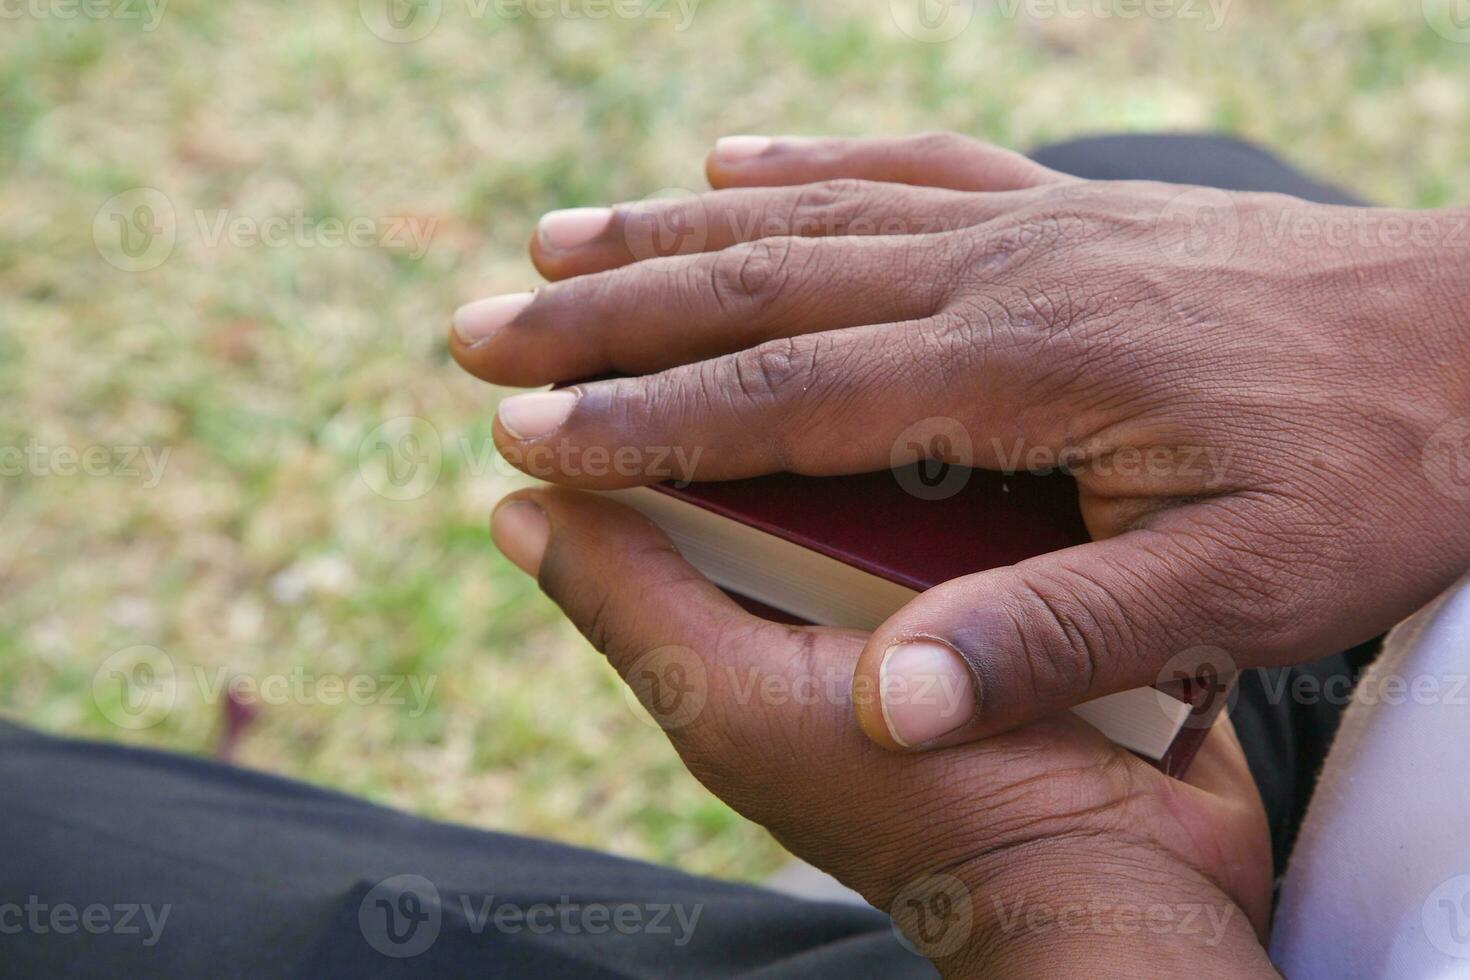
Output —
<point x="988" y="652"/>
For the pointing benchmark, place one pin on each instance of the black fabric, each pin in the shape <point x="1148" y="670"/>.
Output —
<point x="1286" y="735"/>
<point x="262" y="877"/>
<point x="1179" y="158"/>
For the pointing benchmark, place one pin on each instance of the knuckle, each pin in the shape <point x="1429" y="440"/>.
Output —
<point x="611" y="293"/>
<point x="1031" y="229"/>
<point x="754" y="276"/>
<point x="776" y="375"/>
<point x="1255" y="572"/>
<point x="598" y="291"/>
<point x="734" y="732"/>
<point x="945" y="142"/>
<point x="586" y="601"/>
<point x="1043" y="312"/>
<point x="979" y="325"/>
<point x="1066" y="643"/>
<point x="635" y="407"/>
<point x="827" y="207"/>
<point x="1081" y="214"/>
<point x="1027" y="312"/>
<point x="597" y="623"/>
<point x="967" y="341"/>
<point x="775" y="370"/>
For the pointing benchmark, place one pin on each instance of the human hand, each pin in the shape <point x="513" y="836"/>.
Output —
<point x="1046" y="851"/>
<point x="1264" y="401"/>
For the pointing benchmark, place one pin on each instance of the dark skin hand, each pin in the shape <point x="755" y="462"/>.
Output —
<point x="1046" y="851"/>
<point x="1264" y="402"/>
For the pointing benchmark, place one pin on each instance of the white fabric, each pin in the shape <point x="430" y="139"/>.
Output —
<point x="1379" y="882"/>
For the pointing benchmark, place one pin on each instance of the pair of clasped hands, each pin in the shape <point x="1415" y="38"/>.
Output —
<point x="826" y="295"/>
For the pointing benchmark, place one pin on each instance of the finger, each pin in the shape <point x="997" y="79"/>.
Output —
<point x="931" y="160"/>
<point x="819" y="404"/>
<point x="1014" y="644"/>
<point x="580" y="241"/>
<point x="688" y="308"/>
<point x="671" y="634"/>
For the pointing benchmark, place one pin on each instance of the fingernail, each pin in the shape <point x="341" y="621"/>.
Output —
<point x="537" y="414"/>
<point x="520" y="530"/>
<point x="926" y="691"/>
<point x="572" y="227"/>
<point x="734" y="149"/>
<point x="478" y="320"/>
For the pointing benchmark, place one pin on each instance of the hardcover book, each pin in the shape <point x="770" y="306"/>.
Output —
<point x="850" y="551"/>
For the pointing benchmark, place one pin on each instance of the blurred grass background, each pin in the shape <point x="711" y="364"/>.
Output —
<point x="274" y="542"/>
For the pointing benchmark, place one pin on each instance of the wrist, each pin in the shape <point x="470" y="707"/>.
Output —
<point x="1449" y="272"/>
<point x="1433" y="295"/>
<point x="1051" y="912"/>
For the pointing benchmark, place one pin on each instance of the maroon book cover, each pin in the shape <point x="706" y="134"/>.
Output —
<point x="967" y="520"/>
<point x="977" y="519"/>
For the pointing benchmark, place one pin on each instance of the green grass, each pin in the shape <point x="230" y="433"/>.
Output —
<point x="264" y="550"/>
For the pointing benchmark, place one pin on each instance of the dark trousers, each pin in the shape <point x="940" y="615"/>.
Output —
<point x="120" y="862"/>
